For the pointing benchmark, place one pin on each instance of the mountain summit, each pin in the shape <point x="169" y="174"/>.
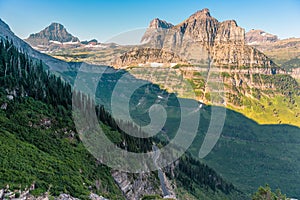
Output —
<point x="200" y="14"/>
<point x="158" y="23"/>
<point x="55" y="33"/>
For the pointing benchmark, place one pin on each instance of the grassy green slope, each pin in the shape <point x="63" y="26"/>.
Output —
<point x="251" y="155"/>
<point x="49" y="157"/>
<point x="267" y="99"/>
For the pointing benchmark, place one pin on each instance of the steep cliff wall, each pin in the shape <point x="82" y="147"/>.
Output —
<point x="202" y="38"/>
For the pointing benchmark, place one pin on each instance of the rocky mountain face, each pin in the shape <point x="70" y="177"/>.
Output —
<point x="53" y="35"/>
<point x="157" y="23"/>
<point x="258" y="36"/>
<point x="202" y="38"/>
<point x="147" y="57"/>
<point x="156" y="26"/>
<point x="137" y="185"/>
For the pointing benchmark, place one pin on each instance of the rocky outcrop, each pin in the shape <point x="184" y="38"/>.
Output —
<point x="238" y="54"/>
<point x="258" y="36"/>
<point x="201" y="38"/>
<point x="92" y="42"/>
<point x="295" y="73"/>
<point x="135" y="186"/>
<point x="6" y="194"/>
<point x="65" y="197"/>
<point x="230" y="32"/>
<point x="96" y="197"/>
<point x="147" y="57"/>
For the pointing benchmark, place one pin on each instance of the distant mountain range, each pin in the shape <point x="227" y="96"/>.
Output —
<point x="258" y="36"/>
<point x="201" y="40"/>
<point x="56" y="37"/>
<point x="195" y="40"/>
<point x="284" y="52"/>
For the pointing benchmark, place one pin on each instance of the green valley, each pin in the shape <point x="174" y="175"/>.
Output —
<point x="200" y="109"/>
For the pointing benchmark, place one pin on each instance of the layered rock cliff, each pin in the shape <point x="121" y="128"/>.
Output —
<point x="147" y="57"/>
<point x="202" y="38"/>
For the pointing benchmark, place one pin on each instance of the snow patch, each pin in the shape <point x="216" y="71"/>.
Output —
<point x="169" y="197"/>
<point x="145" y="41"/>
<point x="253" y="43"/>
<point x="63" y="43"/>
<point x="70" y="42"/>
<point x="55" y="42"/>
<point x="155" y="64"/>
<point x="10" y="97"/>
<point x="173" y="64"/>
<point x="263" y="33"/>
<point x="96" y="46"/>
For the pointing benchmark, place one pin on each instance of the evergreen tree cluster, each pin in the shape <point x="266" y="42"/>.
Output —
<point x="86" y="107"/>
<point x="23" y="76"/>
<point x="201" y="175"/>
<point x="265" y="193"/>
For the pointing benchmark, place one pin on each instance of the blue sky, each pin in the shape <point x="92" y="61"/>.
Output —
<point x="103" y="19"/>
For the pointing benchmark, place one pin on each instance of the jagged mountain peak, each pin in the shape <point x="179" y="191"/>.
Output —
<point x="201" y="26"/>
<point x="197" y="19"/>
<point x="56" y="26"/>
<point x="201" y="13"/>
<point x="158" y="23"/>
<point x="55" y="32"/>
